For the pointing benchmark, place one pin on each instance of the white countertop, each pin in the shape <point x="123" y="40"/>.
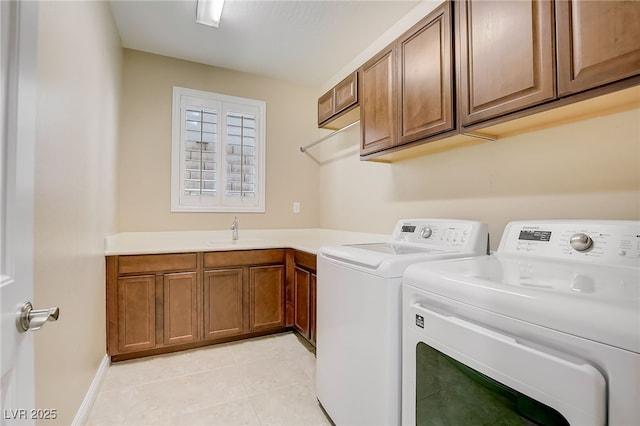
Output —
<point x="308" y="239"/>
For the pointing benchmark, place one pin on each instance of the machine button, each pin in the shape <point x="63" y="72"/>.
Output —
<point x="426" y="232"/>
<point x="580" y="242"/>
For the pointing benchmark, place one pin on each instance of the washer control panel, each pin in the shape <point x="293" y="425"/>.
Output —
<point x="610" y="242"/>
<point x="442" y="233"/>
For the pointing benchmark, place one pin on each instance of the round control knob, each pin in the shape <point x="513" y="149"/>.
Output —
<point x="580" y="242"/>
<point x="426" y="232"/>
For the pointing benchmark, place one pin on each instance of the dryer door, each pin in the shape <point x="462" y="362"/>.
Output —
<point x="459" y="372"/>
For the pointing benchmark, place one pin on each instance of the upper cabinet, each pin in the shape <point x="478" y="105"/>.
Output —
<point x="407" y="89"/>
<point x="506" y="57"/>
<point x="378" y="109"/>
<point x="598" y="43"/>
<point x="425" y="78"/>
<point x="337" y="107"/>
<point x="516" y="63"/>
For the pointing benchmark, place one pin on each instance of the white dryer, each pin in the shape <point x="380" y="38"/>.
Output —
<point x="545" y="331"/>
<point x="358" y="346"/>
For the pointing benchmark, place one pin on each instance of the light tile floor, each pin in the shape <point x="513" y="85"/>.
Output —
<point x="263" y="381"/>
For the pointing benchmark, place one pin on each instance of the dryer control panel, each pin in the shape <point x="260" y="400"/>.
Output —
<point x="601" y="242"/>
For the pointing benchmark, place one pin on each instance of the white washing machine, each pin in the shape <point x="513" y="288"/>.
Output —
<point x="545" y="331"/>
<point x="358" y="347"/>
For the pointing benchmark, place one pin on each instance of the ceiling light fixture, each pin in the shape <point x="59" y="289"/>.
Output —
<point x="208" y="12"/>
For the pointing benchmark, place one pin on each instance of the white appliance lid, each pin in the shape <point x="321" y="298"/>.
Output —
<point x="373" y="255"/>
<point x="597" y="302"/>
<point x="393" y="249"/>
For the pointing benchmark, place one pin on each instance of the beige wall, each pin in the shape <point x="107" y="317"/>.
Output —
<point x="79" y="72"/>
<point x="584" y="170"/>
<point x="145" y="146"/>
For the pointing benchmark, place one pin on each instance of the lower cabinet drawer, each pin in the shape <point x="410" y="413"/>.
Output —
<point x="221" y="259"/>
<point x="155" y="263"/>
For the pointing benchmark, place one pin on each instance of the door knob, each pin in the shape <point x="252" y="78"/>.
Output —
<point x="33" y="319"/>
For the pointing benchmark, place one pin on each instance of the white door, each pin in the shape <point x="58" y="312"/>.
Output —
<point x="19" y="36"/>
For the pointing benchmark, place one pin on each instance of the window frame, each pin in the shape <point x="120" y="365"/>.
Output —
<point x="183" y="97"/>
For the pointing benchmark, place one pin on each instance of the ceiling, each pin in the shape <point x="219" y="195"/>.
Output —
<point x="303" y="41"/>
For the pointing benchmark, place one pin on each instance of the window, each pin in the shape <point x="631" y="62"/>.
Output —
<point x="218" y="153"/>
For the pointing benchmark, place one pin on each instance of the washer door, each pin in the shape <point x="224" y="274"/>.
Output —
<point x="458" y="372"/>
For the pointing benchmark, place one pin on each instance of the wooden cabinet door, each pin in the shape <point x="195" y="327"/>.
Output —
<point x="338" y="99"/>
<point x="378" y="104"/>
<point x="425" y="71"/>
<point x="346" y="93"/>
<point x="223" y="303"/>
<point x="301" y="297"/>
<point x="598" y="43"/>
<point x="266" y="297"/>
<point x="325" y="107"/>
<point x="506" y="57"/>
<point x="136" y="307"/>
<point x="313" y="309"/>
<point x="180" y="311"/>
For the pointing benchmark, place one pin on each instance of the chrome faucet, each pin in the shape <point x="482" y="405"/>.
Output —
<point x="234" y="229"/>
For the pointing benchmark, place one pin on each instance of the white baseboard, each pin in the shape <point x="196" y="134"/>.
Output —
<point x="85" y="408"/>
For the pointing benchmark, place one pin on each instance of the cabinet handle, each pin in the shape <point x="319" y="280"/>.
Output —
<point x="34" y="319"/>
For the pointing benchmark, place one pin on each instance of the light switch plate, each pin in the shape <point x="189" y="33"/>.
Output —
<point x="296" y="207"/>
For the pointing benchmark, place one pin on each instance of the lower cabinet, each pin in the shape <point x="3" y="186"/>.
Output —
<point x="160" y="303"/>
<point x="223" y="297"/>
<point x="135" y="327"/>
<point x="266" y="297"/>
<point x="181" y="310"/>
<point x="304" y="295"/>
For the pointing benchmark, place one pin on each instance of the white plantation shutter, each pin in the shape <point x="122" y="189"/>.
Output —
<point x="240" y="149"/>
<point x="218" y="152"/>
<point x="200" y="160"/>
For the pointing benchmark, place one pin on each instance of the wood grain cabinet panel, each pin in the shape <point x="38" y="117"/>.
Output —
<point x="266" y="293"/>
<point x="304" y="294"/>
<point x="224" y="259"/>
<point x="325" y="107"/>
<point x="378" y="107"/>
<point x="136" y="311"/>
<point x="313" y="309"/>
<point x="407" y="89"/>
<point x="223" y="303"/>
<point x="302" y="299"/>
<point x="181" y="311"/>
<point x="506" y="57"/>
<point x="340" y="98"/>
<point x="225" y="296"/>
<point x="425" y="71"/>
<point x="155" y="263"/>
<point x="598" y="43"/>
<point x="346" y="93"/>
